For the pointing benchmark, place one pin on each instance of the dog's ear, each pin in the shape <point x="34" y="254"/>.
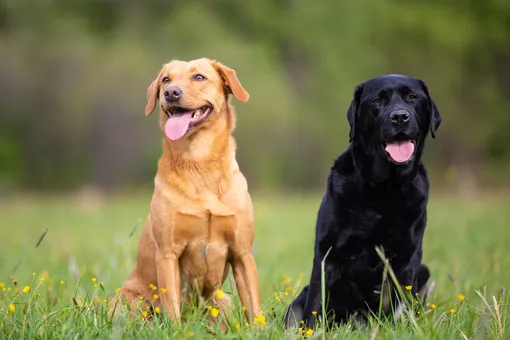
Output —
<point x="435" y="116"/>
<point x="152" y="94"/>
<point x="352" y="112"/>
<point x="231" y="82"/>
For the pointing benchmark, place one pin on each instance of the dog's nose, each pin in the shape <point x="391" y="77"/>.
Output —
<point x="399" y="117"/>
<point x="172" y="93"/>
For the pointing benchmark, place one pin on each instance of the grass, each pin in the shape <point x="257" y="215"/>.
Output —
<point x="61" y="288"/>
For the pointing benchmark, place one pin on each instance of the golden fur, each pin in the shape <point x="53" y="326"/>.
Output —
<point x="201" y="215"/>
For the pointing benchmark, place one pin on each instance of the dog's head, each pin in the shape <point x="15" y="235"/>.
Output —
<point x="192" y="95"/>
<point x="390" y="117"/>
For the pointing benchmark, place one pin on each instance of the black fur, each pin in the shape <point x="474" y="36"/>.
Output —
<point x="372" y="201"/>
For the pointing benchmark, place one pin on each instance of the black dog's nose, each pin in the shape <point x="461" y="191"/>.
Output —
<point x="172" y="93"/>
<point x="399" y="117"/>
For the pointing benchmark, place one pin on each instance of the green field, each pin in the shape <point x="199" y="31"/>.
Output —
<point x="466" y="246"/>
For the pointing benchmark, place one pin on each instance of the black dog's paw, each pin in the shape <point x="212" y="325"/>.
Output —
<point x="294" y="313"/>
<point x="425" y="287"/>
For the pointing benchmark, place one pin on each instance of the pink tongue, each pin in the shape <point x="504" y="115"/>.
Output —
<point x="177" y="125"/>
<point x="401" y="151"/>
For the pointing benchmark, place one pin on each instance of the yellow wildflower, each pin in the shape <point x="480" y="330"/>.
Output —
<point x="214" y="312"/>
<point x="277" y="299"/>
<point x="289" y="288"/>
<point x="154" y="287"/>
<point x="105" y="301"/>
<point x="244" y="309"/>
<point x="94" y="279"/>
<point x="300" y="330"/>
<point x="163" y="290"/>
<point x="309" y="332"/>
<point x="157" y="310"/>
<point x="433" y="306"/>
<point x="144" y="313"/>
<point x="42" y="279"/>
<point x="143" y="319"/>
<point x="95" y="285"/>
<point x="461" y="297"/>
<point x="286" y="294"/>
<point x="408" y="287"/>
<point x="219" y="294"/>
<point x="453" y="311"/>
<point x="26" y="289"/>
<point x="12" y="308"/>
<point x="2" y="285"/>
<point x="155" y="296"/>
<point x="261" y="319"/>
<point x="117" y="290"/>
<point x="314" y="313"/>
<point x="237" y="326"/>
<point x="61" y="282"/>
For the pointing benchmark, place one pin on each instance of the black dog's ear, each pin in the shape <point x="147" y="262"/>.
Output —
<point x="435" y="116"/>
<point x="352" y="112"/>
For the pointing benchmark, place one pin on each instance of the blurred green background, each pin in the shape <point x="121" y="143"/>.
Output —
<point x="73" y="79"/>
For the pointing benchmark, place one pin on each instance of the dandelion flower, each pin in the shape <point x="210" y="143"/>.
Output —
<point x="219" y="294"/>
<point x="42" y="279"/>
<point x="408" y="288"/>
<point x="237" y="326"/>
<point x="433" y="306"/>
<point x="154" y="287"/>
<point x="61" y="282"/>
<point x="278" y="299"/>
<point x="155" y="296"/>
<point x="314" y="313"/>
<point x="12" y="308"/>
<point x="117" y="290"/>
<point x="453" y="311"/>
<point x="214" y="312"/>
<point x="261" y="320"/>
<point x="144" y="313"/>
<point x="143" y="319"/>
<point x="105" y="301"/>
<point x="26" y="289"/>
<point x="309" y="332"/>
<point x="163" y="290"/>
<point x="157" y="310"/>
<point x="461" y="297"/>
<point x="289" y="288"/>
<point x="94" y="279"/>
<point x="300" y="330"/>
<point x="2" y="285"/>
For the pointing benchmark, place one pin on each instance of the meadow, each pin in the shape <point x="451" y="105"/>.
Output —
<point x="61" y="289"/>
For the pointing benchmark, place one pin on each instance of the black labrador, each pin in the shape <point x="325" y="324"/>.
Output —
<point x="377" y="194"/>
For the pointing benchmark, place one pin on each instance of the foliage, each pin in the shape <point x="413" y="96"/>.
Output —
<point x="65" y="286"/>
<point x="74" y="74"/>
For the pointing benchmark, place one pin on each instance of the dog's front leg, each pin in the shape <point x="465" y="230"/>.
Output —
<point x="169" y="282"/>
<point x="246" y="277"/>
<point x="312" y="308"/>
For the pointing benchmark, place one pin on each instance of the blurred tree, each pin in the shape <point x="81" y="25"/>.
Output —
<point x="73" y="76"/>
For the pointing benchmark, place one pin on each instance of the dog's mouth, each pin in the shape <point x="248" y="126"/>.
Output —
<point x="400" y="149"/>
<point x="182" y="120"/>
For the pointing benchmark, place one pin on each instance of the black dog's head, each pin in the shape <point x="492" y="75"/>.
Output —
<point x="390" y="117"/>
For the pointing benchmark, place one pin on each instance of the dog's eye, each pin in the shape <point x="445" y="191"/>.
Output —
<point x="377" y="101"/>
<point x="198" y="76"/>
<point x="412" y="96"/>
<point x="165" y="80"/>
